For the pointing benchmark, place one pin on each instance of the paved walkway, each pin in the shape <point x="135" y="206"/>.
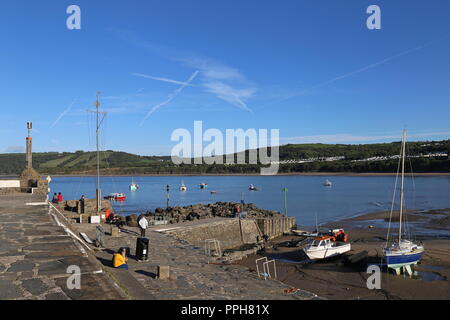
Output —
<point x="35" y="254"/>
<point x="192" y="277"/>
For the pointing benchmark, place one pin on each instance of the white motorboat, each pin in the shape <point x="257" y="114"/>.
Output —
<point x="183" y="187"/>
<point x="325" y="247"/>
<point x="134" y="187"/>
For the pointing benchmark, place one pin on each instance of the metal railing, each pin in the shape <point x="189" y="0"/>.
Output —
<point x="213" y="245"/>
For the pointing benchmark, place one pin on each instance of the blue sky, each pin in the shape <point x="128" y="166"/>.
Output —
<point x="309" y="68"/>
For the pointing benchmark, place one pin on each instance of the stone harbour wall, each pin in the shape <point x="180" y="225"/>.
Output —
<point x="231" y="233"/>
<point x="9" y="191"/>
<point x="275" y="227"/>
<point x="90" y="206"/>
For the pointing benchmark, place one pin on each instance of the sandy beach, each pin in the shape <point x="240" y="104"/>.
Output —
<point x="334" y="279"/>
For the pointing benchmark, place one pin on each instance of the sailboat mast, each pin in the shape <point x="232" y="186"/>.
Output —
<point x="403" y="185"/>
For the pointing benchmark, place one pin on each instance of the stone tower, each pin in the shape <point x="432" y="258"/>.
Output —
<point x="30" y="179"/>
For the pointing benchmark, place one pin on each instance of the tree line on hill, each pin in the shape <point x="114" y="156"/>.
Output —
<point x="113" y="162"/>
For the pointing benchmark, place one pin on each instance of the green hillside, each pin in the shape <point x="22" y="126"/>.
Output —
<point x="426" y="157"/>
<point x="78" y="162"/>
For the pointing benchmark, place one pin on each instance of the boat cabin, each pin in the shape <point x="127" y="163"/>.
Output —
<point x="322" y="242"/>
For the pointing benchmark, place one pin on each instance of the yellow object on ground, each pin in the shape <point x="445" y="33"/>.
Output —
<point x="118" y="260"/>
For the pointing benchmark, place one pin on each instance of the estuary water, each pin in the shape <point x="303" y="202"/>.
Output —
<point x="306" y="196"/>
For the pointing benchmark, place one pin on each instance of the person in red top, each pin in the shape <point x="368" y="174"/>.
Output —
<point x="60" y="197"/>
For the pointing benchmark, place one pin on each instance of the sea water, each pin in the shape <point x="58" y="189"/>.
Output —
<point x="306" y="196"/>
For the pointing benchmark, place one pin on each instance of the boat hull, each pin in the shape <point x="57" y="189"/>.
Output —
<point x="327" y="252"/>
<point x="401" y="260"/>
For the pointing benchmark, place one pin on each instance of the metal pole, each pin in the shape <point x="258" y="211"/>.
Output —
<point x="98" y="123"/>
<point x="98" y="193"/>
<point x="285" y="190"/>
<point x="168" y="196"/>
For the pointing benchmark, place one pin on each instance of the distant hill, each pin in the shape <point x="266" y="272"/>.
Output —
<point x="430" y="156"/>
<point x="77" y="162"/>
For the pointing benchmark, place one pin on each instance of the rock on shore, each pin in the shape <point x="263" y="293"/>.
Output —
<point x="203" y="211"/>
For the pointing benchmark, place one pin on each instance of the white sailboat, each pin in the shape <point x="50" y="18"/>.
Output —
<point x="401" y="253"/>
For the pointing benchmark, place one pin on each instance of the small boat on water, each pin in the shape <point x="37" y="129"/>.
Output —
<point x="253" y="188"/>
<point x="326" y="247"/>
<point x="134" y="187"/>
<point x="328" y="183"/>
<point x="213" y="192"/>
<point x="203" y="185"/>
<point x="116" y="197"/>
<point x="401" y="253"/>
<point x="183" y="187"/>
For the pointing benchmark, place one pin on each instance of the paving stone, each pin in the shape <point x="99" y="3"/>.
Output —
<point x="34" y="286"/>
<point x="93" y="287"/>
<point x="56" y="296"/>
<point x="9" y="291"/>
<point x="55" y="268"/>
<point x="31" y="241"/>
<point x="21" y="266"/>
<point x="25" y="275"/>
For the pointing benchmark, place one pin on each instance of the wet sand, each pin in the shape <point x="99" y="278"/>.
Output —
<point x="334" y="279"/>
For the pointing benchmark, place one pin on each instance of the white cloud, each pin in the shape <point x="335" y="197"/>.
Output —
<point x="233" y="96"/>
<point x="15" y="149"/>
<point x="225" y="82"/>
<point x="212" y="69"/>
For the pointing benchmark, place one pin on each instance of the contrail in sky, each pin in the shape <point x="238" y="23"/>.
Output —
<point x="368" y="67"/>
<point x="160" y="79"/>
<point x="171" y="96"/>
<point x="63" y="114"/>
<point x="373" y="65"/>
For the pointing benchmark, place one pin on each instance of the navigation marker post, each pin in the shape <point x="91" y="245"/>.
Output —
<point x="285" y="190"/>
<point x="168" y="196"/>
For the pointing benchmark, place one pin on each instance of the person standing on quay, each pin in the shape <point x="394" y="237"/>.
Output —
<point x="60" y="198"/>
<point x="82" y="203"/>
<point x="143" y="224"/>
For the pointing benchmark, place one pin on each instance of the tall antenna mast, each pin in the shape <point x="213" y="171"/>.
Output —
<point x="100" y="116"/>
